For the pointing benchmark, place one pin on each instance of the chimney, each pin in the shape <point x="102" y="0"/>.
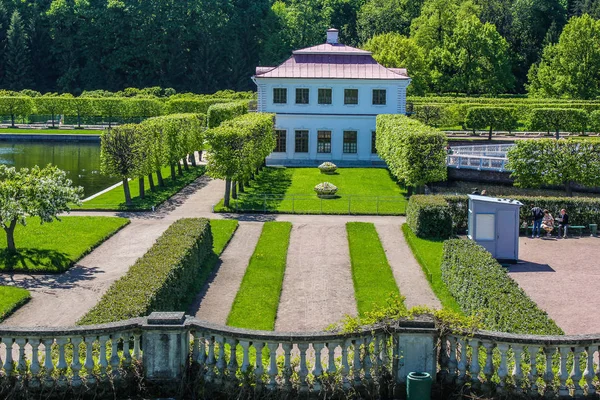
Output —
<point x="332" y="36"/>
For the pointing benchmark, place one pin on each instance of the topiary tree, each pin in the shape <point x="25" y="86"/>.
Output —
<point x="111" y="107"/>
<point x="51" y="104"/>
<point x="594" y="121"/>
<point x="144" y="108"/>
<point x="217" y="113"/>
<point x="15" y="105"/>
<point x="81" y="107"/>
<point x="429" y="114"/>
<point x="557" y="120"/>
<point x="494" y="118"/>
<point x="36" y="192"/>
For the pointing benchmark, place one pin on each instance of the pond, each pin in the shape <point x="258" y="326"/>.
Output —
<point x="80" y="160"/>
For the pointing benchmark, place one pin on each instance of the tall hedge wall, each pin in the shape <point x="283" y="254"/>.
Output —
<point x="218" y="113"/>
<point x="429" y="217"/>
<point x="482" y="287"/>
<point x="190" y="105"/>
<point x="162" y="279"/>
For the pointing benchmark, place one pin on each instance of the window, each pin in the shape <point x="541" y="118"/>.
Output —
<point x="350" y="142"/>
<point x="301" y="142"/>
<point x="373" y="142"/>
<point x="485" y="226"/>
<point x="280" y="141"/>
<point x="324" y="142"/>
<point x="350" y="96"/>
<point x="379" y="97"/>
<point x="302" y="96"/>
<point x="324" y="96"/>
<point x="279" y="95"/>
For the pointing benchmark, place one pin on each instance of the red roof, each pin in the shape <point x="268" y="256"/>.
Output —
<point x="332" y="61"/>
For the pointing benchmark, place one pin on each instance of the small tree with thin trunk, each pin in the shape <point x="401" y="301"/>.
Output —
<point x="36" y="192"/>
<point x="15" y="106"/>
<point x="119" y="155"/>
<point x="51" y="104"/>
<point x="81" y="107"/>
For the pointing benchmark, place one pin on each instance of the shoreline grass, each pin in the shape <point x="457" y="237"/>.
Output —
<point x="428" y="254"/>
<point x="11" y="298"/>
<point x="372" y="276"/>
<point x="114" y="200"/>
<point x="255" y="305"/>
<point x="55" y="247"/>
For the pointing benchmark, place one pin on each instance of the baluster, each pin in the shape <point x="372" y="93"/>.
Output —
<point x="210" y="362"/>
<point x="259" y="368"/>
<point x="533" y="374"/>
<point x="488" y="369"/>
<point x="272" y="385"/>
<point x="548" y="373"/>
<point x="318" y="368"/>
<point x="385" y="356"/>
<point x="331" y="367"/>
<point x="287" y="366"/>
<point x="115" y="361"/>
<point x="502" y="369"/>
<point x="452" y="363"/>
<point x="76" y="362"/>
<point x="303" y="370"/>
<point x="232" y="366"/>
<point x="48" y="364"/>
<point x="475" y="366"/>
<point x="136" y="345"/>
<point x="356" y="364"/>
<point x="196" y="337"/>
<point x="200" y="349"/>
<point x="576" y="374"/>
<point x="246" y="356"/>
<point x="8" y="359"/>
<point x="126" y="351"/>
<point x="563" y="374"/>
<point x="517" y="372"/>
<point x="89" y="360"/>
<point x="462" y="363"/>
<point x="220" y="359"/>
<point x="367" y="363"/>
<point x="35" y="367"/>
<point x="345" y="367"/>
<point x="62" y="365"/>
<point x="588" y="374"/>
<point x="377" y="352"/>
<point x="21" y="362"/>
<point x="103" y="362"/>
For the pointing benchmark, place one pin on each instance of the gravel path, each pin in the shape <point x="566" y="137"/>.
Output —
<point x="317" y="286"/>
<point x="408" y="273"/>
<point x="214" y="303"/>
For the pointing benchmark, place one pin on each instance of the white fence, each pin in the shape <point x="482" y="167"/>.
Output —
<point x="482" y="158"/>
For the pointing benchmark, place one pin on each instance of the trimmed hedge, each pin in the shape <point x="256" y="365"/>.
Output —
<point x="581" y="210"/>
<point x="190" y="105"/>
<point x="494" y="118"/>
<point x="558" y="120"/>
<point x="218" y="113"/>
<point x="595" y="122"/>
<point x="429" y="217"/>
<point x="161" y="280"/>
<point x="482" y="287"/>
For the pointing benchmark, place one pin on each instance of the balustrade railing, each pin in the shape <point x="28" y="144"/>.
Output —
<point x="476" y="162"/>
<point x="491" y="150"/>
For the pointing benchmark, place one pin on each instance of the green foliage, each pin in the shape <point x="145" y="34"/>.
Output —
<point x="15" y="106"/>
<point x="432" y="115"/>
<point x="191" y="105"/>
<point x="51" y="104"/>
<point x="595" y="121"/>
<point x="256" y="302"/>
<point x="371" y="273"/>
<point x="110" y="108"/>
<point x="482" y="287"/>
<point x="161" y="280"/>
<point x="494" y="118"/>
<point x="217" y="113"/>
<point x="558" y="119"/>
<point x="119" y="155"/>
<point x="18" y="58"/>
<point x="143" y="107"/>
<point x="429" y="217"/>
<point x="11" y="298"/>
<point x="415" y="153"/>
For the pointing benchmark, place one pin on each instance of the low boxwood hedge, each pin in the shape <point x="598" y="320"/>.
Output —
<point x="429" y="217"/>
<point x="162" y="279"/>
<point x="482" y="287"/>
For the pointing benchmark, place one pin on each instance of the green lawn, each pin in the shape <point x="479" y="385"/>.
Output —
<point x="428" y="253"/>
<point x="11" y="298"/>
<point x="373" y="279"/>
<point x="56" y="246"/>
<point x="51" y="131"/>
<point x="115" y="198"/>
<point x="291" y="190"/>
<point x="256" y="302"/>
<point x="222" y="231"/>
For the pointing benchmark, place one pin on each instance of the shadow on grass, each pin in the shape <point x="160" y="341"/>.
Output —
<point x="275" y="181"/>
<point x="34" y="261"/>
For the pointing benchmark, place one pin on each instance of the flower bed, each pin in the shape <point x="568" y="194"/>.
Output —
<point x="327" y="168"/>
<point x="326" y="190"/>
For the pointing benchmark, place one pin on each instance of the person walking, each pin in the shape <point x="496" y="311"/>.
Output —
<point x="563" y="227"/>
<point x="538" y="216"/>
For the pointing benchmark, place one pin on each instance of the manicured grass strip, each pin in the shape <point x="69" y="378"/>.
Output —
<point x="56" y="246"/>
<point x="428" y="254"/>
<point x="27" y="131"/>
<point x="222" y="231"/>
<point x="256" y="302"/>
<point x="373" y="279"/>
<point x="11" y="298"/>
<point x="115" y="199"/>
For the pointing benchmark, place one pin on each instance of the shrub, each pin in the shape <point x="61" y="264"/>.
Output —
<point x="161" y="280"/>
<point x="558" y="119"/>
<point x="481" y="287"/>
<point x="217" y="113"/>
<point x="494" y="118"/>
<point x="429" y="217"/>
<point x="191" y="105"/>
<point x="595" y="122"/>
<point x="327" y="167"/>
<point x="326" y="189"/>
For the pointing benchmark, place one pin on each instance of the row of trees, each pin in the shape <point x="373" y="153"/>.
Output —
<point x="139" y="150"/>
<point x="547" y="162"/>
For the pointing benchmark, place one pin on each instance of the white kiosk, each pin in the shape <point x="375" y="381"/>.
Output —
<point x="494" y="224"/>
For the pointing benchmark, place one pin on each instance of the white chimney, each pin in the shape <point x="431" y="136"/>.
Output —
<point x="332" y="36"/>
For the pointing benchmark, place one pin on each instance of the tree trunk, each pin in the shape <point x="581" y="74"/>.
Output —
<point x="185" y="164"/>
<point x="127" y="192"/>
<point x="173" y="175"/>
<point x="179" y="170"/>
<point x="78" y="120"/>
<point x="193" y="159"/>
<point x="10" y="236"/>
<point x="200" y="155"/>
<point x="241" y="186"/>
<point x="142" y="188"/>
<point x="159" y="177"/>
<point x="569" y="188"/>
<point x="151" y="182"/>
<point x="490" y="135"/>
<point x="234" y="190"/>
<point x="557" y="134"/>
<point x="227" y="192"/>
<point x="53" y="121"/>
<point x="109" y="122"/>
<point x="12" y="119"/>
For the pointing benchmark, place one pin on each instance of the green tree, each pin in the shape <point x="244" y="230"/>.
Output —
<point x="18" y="57"/>
<point x="4" y="23"/>
<point x="81" y="107"/>
<point x="111" y="108"/>
<point x="377" y="17"/>
<point x="15" y="106"/>
<point x="36" y="192"/>
<point x="143" y="107"/>
<point x="494" y="118"/>
<point x="595" y="121"/>
<point x="570" y="68"/>
<point x="119" y="155"/>
<point x="51" y="104"/>
<point x="557" y="120"/>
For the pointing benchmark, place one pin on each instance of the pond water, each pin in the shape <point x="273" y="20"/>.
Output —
<point x="80" y="160"/>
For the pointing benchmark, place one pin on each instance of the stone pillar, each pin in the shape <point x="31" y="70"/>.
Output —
<point x="165" y="347"/>
<point x="417" y="353"/>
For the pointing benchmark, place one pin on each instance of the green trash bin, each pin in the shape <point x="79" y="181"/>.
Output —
<point x="418" y="386"/>
<point x="593" y="229"/>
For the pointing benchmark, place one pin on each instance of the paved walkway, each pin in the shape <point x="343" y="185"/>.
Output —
<point x="214" y="303"/>
<point x="562" y="277"/>
<point x="317" y="286"/>
<point x="408" y="273"/>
